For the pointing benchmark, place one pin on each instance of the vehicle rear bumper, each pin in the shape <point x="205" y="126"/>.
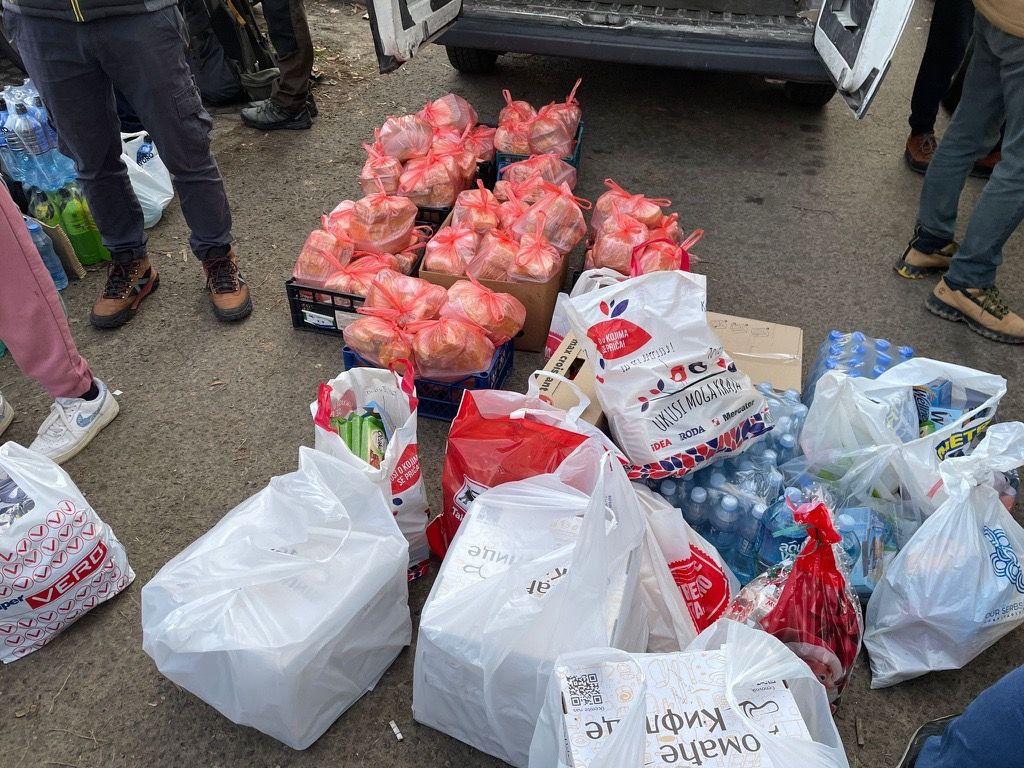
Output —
<point x="793" y="58"/>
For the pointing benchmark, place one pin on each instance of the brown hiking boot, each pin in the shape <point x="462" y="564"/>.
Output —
<point x="983" y="168"/>
<point x="128" y="283"/>
<point x="983" y="309"/>
<point x="920" y="150"/>
<point x="228" y="292"/>
<point x="915" y="264"/>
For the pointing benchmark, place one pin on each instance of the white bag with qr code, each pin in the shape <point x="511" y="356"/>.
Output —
<point x="736" y="698"/>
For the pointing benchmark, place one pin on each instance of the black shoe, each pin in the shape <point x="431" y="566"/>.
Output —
<point x="314" y="112"/>
<point x="926" y="731"/>
<point x="268" y="116"/>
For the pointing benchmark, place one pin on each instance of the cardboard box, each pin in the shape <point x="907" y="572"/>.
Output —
<point x="764" y="351"/>
<point x="570" y="361"/>
<point x="688" y="721"/>
<point x="538" y="298"/>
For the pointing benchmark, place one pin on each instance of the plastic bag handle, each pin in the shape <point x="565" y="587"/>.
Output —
<point x="574" y="413"/>
<point x="572" y="94"/>
<point x="406" y="379"/>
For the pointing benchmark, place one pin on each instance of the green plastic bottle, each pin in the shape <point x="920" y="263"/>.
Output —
<point x="44" y="207"/>
<point x="76" y="221"/>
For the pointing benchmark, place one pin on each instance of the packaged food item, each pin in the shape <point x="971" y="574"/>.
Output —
<point x="449" y="350"/>
<point x="528" y="191"/>
<point x="501" y="315"/>
<point x="356" y="276"/>
<point x="450" y="250"/>
<point x="364" y="434"/>
<point x="494" y="256"/>
<point x="537" y="260"/>
<point x="321" y="255"/>
<point x="379" y="166"/>
<point x="515" y="111"/>
<point x="551" y="168"/>
<point x="662" y="255"/>
<point x="562" y="214"/>
<point x="674" y="398"/>
<point x="647" y="210"/>
<point x="476" y="209"/>
<point x="513" y="138"/>
<point x="482" y="139"/>
<point x="412" y="298"/>
<point x="615" y="241"/>
<point x="379" y="339"/>
<point x="406" y="137"/>
<point x="668" y="228"/>
<point x="428" y="182"/>
<point x="569" y="111"/>
<point x="339" y="221"/>
<point x="382" y="223"/>
<point x="450" y="111"/>
<point x="512" y="207"/>
<point x="549" y="133"/>
<point x="458" y="153"/>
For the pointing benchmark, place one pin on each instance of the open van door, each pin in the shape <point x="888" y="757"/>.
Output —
<point x="856" y="40"/>
<point x="400" y="27"/>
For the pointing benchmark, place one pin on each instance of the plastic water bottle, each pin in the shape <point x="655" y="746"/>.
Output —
<point x="668" y="489"/>
<point x="722" y="524"/>
<point x="41" y="168"/>
<point x="850" y="543"/>
<point x="716" y="486"/>
<point x="47" y="123"/>
<point x="18" y="156"/>
<point x="781" y="536"/>
<point x="771" y="480"/>
<point x="744" y="556"/>
<point x="76" y="221"/>
<point x="765" y="388"/>
<point x="786" y="447"/>
<point x="696" y="510"/>
<point x="145" y="153"/>
<point x="50" y="258"/>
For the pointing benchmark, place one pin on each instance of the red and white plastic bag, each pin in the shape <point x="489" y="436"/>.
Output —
<point x="58" y="560"/>
<point x="398" y="476"/>
<point x="589" y="280"/>
<point x="674" y="398"/>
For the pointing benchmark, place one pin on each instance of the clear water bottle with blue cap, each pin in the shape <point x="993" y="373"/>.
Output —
<point x="695" y="512"/>
<point x="722" y="524"/>
<point x="716" y="486"/>
<point x="786" y="447"/>
<point x="744" y="555"/>
<point x="49" y="256"/>
<point x="668" y="489"/>
<point x="781" y="536"/>
<point x="850" y="544"/>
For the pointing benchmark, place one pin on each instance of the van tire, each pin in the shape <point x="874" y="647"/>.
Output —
<point x="815" y="95"/>
<point x="472" y="61"/>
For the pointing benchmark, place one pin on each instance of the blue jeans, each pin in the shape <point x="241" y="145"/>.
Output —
<point x="993" y="92"/>
<point x="989" y="734"/>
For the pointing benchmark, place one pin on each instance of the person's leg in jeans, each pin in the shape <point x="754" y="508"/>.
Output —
<point x="989" y="734"/>
<point x="974" y="128"/>
<point x="290" y="104"/>
<point x="35" y="330"/>
<point x="948" y="37"/>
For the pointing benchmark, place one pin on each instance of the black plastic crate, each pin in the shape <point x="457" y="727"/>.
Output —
<point x="321" y="310"/>
<point x="432" y="217"/>
<point x="439" y="399"/>
<point x="503" y="159"/>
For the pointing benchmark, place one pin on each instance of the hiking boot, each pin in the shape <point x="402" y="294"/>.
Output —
<point x="128" y="283"/>
<point x="915" y="264"/>
<point x="73" y="423"/>
<point x="933" y="728"/>
<point x="267" y="116"/>
<point x="983" y="168"/>
<point x="6" y="413"/>
<point x="920" y="150"/>
<point x="228" y="292"/>
<point x="314" y="112"/>
<point x="983" y="309"/>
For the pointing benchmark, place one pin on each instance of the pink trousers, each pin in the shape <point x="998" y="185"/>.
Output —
<point x="32" y="321"/>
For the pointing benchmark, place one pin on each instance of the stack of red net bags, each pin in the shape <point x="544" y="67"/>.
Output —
<point x="633" y="235"/>
<point x="447" y="335"/>
<point x="428" y="157"/>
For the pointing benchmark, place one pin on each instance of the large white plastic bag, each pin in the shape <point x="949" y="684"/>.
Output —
<point x="957" y="586"/>
<point x="684" y="580"/>
<point x="674" y="398"/>
<point x="537" y="568"/>
<point x="845" y="417"/>
<point x="398" y="477"/>
<point x="151" y="182"/>
<point x="751" y="657"/>
<point x="58" y="560"/>
<point x="291" y="607"/>
<point x="589" y="280"/>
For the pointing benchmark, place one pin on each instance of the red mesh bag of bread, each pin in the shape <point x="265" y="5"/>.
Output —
<point x="321" y="255"/>
<point x="515" y="111"/>
<point x="405" y="137"/>
<point x="429" y="183"/>
<point x="449" y="111"/>
<point x="356" y="276"/>
<point x="537" y="260"/>
<point x="550" y="168"/>
<point x="476" y="209"/>
<point x="513" y="138"/>
<point x="481" y="138"/>
<point x="450" y="250"/>
<point x="494" y="256"/>
<point x="663" y="255"/>
<point x="614" y="244"/>
<point x="378" y="340"/>
<point x="646" y="210"/>
<point x="379" y="165"/>
<point x="501" y="315"/>
<point x="411" y="298"/>
<point x="562" y="216"/>
<point x="449" y="350"/>
<point x="382" y="223"/>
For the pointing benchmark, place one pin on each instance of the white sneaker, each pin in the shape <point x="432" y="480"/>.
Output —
<point x="73" y="423"/>
<point x="6" y="413"/>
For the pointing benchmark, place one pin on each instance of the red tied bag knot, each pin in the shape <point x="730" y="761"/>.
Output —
<point x="515" y="111"/>
<point x="662" y="254"/>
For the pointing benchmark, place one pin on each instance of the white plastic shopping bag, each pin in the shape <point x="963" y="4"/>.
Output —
<point x="291" y="607"/>
<point x="57" y="558"/>
<point x="736" y="697"/>
<point x="589" y="280"/>
<point x="685" y="582"/>
<point x="674" y="398"/>
<point x="958" y="586"/>
<point x="398" y="475"/>
<point x="151" y="182"/>
<point x="539" y="567"/>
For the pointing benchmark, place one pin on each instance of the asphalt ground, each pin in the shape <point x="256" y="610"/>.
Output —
<point x="805" y="213"/>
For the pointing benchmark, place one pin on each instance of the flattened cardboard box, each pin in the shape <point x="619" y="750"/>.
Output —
<point x="764" y="351"/>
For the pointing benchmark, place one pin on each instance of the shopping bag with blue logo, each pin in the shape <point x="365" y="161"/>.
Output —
<point x="674" y="399"/>
<point x="957" y="586"/>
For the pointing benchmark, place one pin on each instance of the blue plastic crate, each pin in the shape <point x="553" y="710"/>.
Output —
<point x="504" y="158"/>
<point x="440" y="399"/>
